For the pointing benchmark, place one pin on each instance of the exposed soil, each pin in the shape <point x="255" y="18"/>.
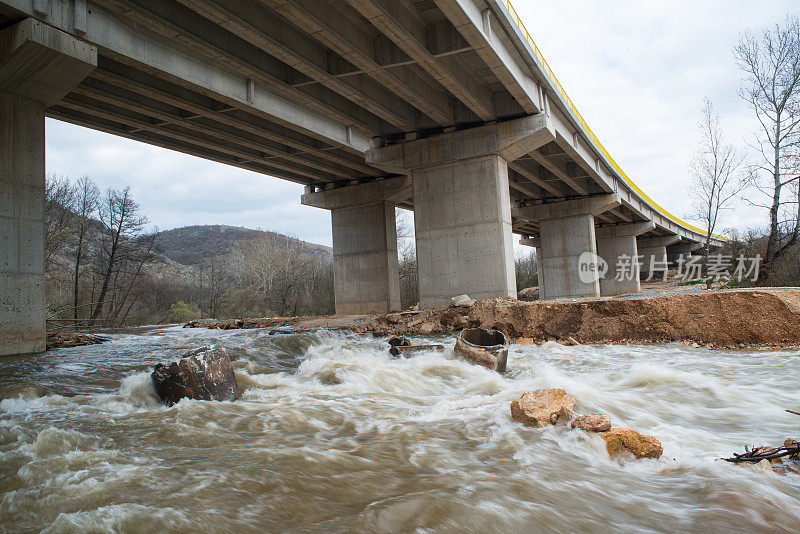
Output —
<point x="723" y="319"/>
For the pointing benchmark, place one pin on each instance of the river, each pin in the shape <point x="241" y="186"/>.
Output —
<point x="334" y="435"/>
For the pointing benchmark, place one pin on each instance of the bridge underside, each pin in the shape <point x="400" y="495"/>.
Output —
<point x="325" y="93"/>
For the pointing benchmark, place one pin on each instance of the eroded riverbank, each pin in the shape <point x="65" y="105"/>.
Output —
<point x="724" y="319"/>
<point x="333" y="434"/>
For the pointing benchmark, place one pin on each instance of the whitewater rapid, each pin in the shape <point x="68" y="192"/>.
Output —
<point x="333" y="434"/>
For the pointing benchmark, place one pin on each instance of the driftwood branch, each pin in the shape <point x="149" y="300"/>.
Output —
<point x="792" y="411"/>
<point x="765" y="453"/>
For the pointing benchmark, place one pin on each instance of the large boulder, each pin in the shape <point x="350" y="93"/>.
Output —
<point x="462" y="301"/>
<point x="202" y="374"/>
<point x="626" y="439"/>
<point x="542" y="407"/>
<point x="529" y="294"/>
<point x="595" y="422"/>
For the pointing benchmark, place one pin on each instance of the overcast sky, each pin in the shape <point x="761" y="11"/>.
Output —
<point x="638" y="72"/>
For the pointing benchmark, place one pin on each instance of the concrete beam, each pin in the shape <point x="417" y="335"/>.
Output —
<point x="559" y="170"/>
<point x="360" y="194"/>
<point x="325" y="22"/>
<point x="567" y="208"/>
<point x="661" y="241"/>
<point x="262" y="28"/>
<point x="485" y="34"/>
<point x="212" y="72"/>
<point x="278" y="156"/>
<point x="43" y="63"/>
<point x="621" y="230"/>
<point x="252" y="125"/>
<point x="509" y="140"/>
<point x="406" y="29"/>
<point x="528" y="174"/>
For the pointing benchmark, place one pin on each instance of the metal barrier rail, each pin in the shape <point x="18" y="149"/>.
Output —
<point x="588" y="131"/>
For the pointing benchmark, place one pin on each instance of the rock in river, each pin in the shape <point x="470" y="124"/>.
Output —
<point x="542" y="407"/>
<point x="203" y="374"/>
<point x="621" y="439"/>
<point x="595" y="422"/>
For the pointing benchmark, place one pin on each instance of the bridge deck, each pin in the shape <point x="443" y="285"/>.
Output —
<point x="300" y="89"/>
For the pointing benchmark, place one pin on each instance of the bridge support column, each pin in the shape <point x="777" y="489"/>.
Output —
<point x="566" y="255"/>
<point x="617" y="246"/>
<point x="653" y="252"/>
<point x="38" y="66"/>
<point x="462" y="208"/>
<point x="680" y="250"/>
<point x="365" y="267"/>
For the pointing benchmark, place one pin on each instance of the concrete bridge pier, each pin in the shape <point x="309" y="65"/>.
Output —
<point x="653" y="251"/>
<point x="365" y="267"/>
<point x="38" y="66"/>
<point x="462" y="207"/>
<point x="617" y="246"/>
<point x="680" y="250"/>
<point x="566" y="253"/>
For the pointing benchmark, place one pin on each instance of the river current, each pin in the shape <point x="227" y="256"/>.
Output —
<point x="333" y="434"/>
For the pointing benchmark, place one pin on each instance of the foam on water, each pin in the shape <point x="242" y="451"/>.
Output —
<point x="333" y="434"/>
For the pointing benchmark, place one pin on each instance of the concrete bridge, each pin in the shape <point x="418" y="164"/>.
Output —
<point x="445" y="107"/>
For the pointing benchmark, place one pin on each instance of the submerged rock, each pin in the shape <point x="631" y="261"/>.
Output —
<point x="562" y="417"/>
<point x="542" y="407"/>
<point x="627" y="439"/>
<point x="596" y="422"/>
<point x="202" y="374"/>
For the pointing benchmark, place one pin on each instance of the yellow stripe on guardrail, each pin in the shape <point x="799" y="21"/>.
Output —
<point x="588" y="131"/>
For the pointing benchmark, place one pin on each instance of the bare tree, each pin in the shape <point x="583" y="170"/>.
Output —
<point x="771" y="64"/>
<point x="119" y="214"/>
<point x="282" y="273"/>
<point x="715" y="170"/>
<point x="407" y="258"/>
<point x="59" y="216"/>
<point x="86" y="204"/>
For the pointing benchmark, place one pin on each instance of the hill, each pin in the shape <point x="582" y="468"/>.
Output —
<point x="190" y="245"/>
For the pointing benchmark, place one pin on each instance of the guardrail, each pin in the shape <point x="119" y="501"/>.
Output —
<point x="588" y="131"/>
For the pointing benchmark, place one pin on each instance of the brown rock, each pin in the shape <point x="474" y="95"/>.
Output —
<point x="524" y="341"/>
<point x="427" y="327"/>
<point x="595" y="422"/>
<point x="562" y="417"/>
<point x="529" y="294"/>
<point x="460" y="322"/>
<point x="621" y="439"/>
<point x="791" y="442"/>
<point x="203" y="374"/>
<point x="535" y="408"/>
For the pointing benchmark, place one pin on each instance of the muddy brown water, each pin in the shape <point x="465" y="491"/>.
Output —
<point x="335" y="435"/>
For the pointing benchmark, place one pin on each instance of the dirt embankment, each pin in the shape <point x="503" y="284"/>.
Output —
<point x="737" y="318"/>
<point x="723" y="319"/>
